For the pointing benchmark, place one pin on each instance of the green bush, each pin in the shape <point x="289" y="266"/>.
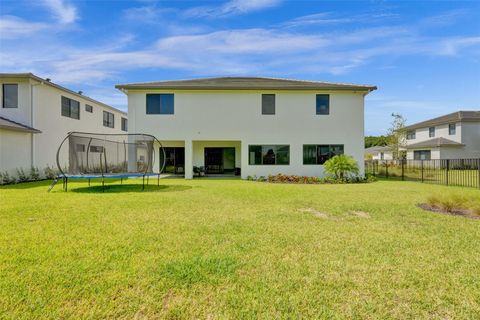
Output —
<point x="34" y="174"/>
<point x="6" y="178"/>
<point x="342" y="167"/>
<point x="21" y="175"/>
<point x="50" y="173"/>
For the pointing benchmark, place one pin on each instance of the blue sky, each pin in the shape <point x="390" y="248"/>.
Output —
<point x="423" y="56"/>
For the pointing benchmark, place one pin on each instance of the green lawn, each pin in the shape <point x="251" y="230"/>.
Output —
<point x="236" y="249"/>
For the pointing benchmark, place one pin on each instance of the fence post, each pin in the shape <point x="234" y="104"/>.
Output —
<point x="446" y="172"/>
<point x="421" y="166"/>
<point x="478" y="167"/>
<point x="403" y="169"/>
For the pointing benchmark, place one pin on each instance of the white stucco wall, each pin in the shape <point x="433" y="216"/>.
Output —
<point x="236" y="116"/>
<point x="14" y="151"/>
<point x="46" y="117"/>
<point x="441" y="131"/>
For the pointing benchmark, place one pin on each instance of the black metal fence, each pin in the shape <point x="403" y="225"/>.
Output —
<point x="450" y="172"/>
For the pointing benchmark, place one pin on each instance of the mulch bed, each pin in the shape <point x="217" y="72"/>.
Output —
<point x="455" y="212"/>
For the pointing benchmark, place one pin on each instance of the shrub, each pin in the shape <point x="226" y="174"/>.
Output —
<point x="34" y="174"/>
<point x="21" y="175"/>
<point x="342" y="167"/>
<point x="6" y="178"/>
<point x="50" y="173"/>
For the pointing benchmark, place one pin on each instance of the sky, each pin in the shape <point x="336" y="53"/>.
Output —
<point x="424" y="56"/>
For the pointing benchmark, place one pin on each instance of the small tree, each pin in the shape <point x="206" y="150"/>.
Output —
<point x="397" y="135"/>
<point x="341" y="166"/>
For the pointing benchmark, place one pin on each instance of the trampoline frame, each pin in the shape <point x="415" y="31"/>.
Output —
<point x="146" y="174"/>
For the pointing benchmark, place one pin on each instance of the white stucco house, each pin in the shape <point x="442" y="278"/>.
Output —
<point x="250" y="125"/>
<point x="379" y="153"/>
<point x="36" y="115"/>
<point x="452" y="136"/>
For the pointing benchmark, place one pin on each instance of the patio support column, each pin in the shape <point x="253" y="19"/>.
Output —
<point x="188" y="159"/>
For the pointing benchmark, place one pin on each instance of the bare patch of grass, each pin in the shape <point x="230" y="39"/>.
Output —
<point x="315" y="212"/>
<point x="360" y="214"/>
<point x="453" y="204"/>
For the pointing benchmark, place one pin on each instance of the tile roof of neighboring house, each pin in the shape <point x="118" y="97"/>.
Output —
<point x="245" y="83"/>
<point x="13" y="125"/>
<point x="45" y="81"/>
<point x="459" y="116"/>
<point x="435" y="142"/>
<point x="378" y="149"/>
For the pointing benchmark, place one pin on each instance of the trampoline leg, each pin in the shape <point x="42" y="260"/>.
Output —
<point x="89" y="182"/>
<point x="143" y="183"/>
<point x="66" y="184"/>
<point x="103" y="184"/>
<point x="158" y="180"/>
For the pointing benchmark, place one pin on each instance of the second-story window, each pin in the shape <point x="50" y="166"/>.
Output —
<point x="108" y="119"/>
<point x="124" y="124"/>
<point x="88" y="108"/>
<point x="268" y="104"/>
<point x="410" y="134"/>
<point x="10" y="95"/>
<point x="452" y="129"/>
<point x="431" y="132"/>
<point x="323" y="104"/>
<point x="162" y="103"/>
<point x="70" y="108"/>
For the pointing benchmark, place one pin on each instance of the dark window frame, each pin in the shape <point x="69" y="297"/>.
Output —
<point x="124" y="122"/>
<point x="452" y="129"/>
<point x="265" y="157"/>
<point x="266" y="107"/>
<point x="318" y="158"/>
<point x="158" y="106"/>
<point x="70" y="108"/>
<point x="4" y="102"/>
<point x="431" y="132"/>
<point x="411" y="134"/>
<point x="109" y="122"/>
<point x="89" y="108"/>
<point x="417" y="154"/>
<point x="318" y="106"/>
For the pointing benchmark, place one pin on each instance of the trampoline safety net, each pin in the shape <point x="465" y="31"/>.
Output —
<point x="107" y="154"/>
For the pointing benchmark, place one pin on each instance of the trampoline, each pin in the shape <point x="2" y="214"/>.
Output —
<point x="83" y="155"/>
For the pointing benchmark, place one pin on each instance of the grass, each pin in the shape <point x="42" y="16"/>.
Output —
<point x="453" y="202"/>
<point x="236" y="249"/>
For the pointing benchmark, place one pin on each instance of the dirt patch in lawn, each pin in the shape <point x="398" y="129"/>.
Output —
<point x="315" y="212"/>
<point x="466" y="213"/>
<point x="361" y="214"/>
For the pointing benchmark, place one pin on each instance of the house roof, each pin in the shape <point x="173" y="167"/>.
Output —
<point x="245" y="83"/>
<point x="459" y="116"/>
<point x="48" y="82"/>
<point x="435" y="142"/>
<point x="377" y="149"/>
<point x="16" y="126"/>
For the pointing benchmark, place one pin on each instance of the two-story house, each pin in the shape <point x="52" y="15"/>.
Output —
<point x="452" y="136"/>
<point x="36" y="114"/>
<point x="256" y="126"/>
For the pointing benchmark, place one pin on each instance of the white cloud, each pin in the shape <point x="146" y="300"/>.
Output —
<point x="12" y="27"/>
<point x="233" y="7"/>
<point x="65" y="12"/>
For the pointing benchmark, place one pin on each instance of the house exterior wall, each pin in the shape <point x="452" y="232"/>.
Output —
<point x="15" y="150"/>
<point x="434" y="153"/>
<point x="471" y="139"/>
<point x="234" y="115"/>
<point x="39" y="106"/>
<point x="441" y="131"/>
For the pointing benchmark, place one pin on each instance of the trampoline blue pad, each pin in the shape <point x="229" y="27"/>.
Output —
<point x="110" y="175"/>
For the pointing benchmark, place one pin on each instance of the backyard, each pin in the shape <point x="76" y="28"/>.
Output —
<point x="210" y="248"/>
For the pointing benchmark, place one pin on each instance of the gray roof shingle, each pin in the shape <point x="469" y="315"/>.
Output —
<point x="435" y="142"/>
<point x="17" y="126"/>
<point x="245" y="83"/>
<point x="459" y="116"/>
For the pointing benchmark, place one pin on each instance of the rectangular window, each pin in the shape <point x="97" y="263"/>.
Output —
<point x="411" y="135"/>
<point x="162" y="103"/>
<point x="268" y="104"/>
<point x="124" y="124"/>
<point x="431" y="132"/>
<point x="421" y="155"/>
<point x="80" y="147"/>
<point x="452" y="129"/>
<point x="96" y="149"/>
<point x="323" y="104"/>
<point x="10" y="95"/>
<point x="108" y="119"/>
<point x="88" y="108"/>
<point x="70" y="108"/>
<point x="319" y="154"/>
<point x="269" y="154"/>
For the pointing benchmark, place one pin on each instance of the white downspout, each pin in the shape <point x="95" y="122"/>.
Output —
<point x="32" y="124"/>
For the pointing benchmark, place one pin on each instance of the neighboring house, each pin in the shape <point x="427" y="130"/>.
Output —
<point x="36" y="115"/>
<point x="259" y="126"/>
<point x="452" y="136"/>
<point x="379" y="153"/>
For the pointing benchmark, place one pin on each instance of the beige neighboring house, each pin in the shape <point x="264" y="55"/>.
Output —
<point x="379" y="153"/>
<point x="452" y="136"/>
<point x="36" y="115"/>
<point x="249" y="125"/>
